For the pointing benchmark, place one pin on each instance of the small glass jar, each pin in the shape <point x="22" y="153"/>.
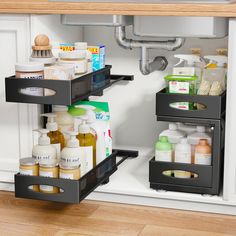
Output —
<point x="29" y="166"/>
<point x="76" y="58"/>
<point x="51" y="171"/>
<point x="69" y="172"/>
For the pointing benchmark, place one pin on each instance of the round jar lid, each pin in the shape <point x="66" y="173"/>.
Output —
<point x="81" y="46"/>
<point x="69" y="167"/>
<point x="48" y="165"/>
<point x="29" y="67"/>
<point x="28" y="161"/>
<point x="72" y="55"/>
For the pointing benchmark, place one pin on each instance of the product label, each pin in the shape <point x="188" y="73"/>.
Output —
<point x="66" y="176"/>
<point x="58" y="148"/>
<point x="163" y="155"/>
<point x="179" y="87"/>
<point x="202" y="159"/>
<point x="182" y="157"/>
<point x="180" y="105"/>
<point x="70" y="160"/>
<point x="89" y="158"/>
<point x="26" y="172"/>
<point x="46" y="188"/>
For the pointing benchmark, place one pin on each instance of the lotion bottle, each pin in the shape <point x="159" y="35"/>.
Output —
<point x="44" y="152"/>
<point x="203" y="154"/>
<point x="88" y="142"/>
<point x="56" y="137"/>
<point x="73" y="155"/>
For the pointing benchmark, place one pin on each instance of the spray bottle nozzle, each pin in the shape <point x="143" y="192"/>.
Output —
<point x="191" y="59"/>
<point x="220" y="60"/>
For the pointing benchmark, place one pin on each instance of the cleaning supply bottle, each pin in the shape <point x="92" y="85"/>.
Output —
<point x="88" y="142"/>
<point x="186" y="128"/>
<point x="192" y="66"/>
<point x="194" y="138"/>
<point x="44" y="152"/>
<point x="163" y="151"/>
<point x="182" y="155"/>
<point x="215" y="78"/>
<point x="203" y="153"/>
<point x="64" y="120"/>
<point x="73" y="156"/>
<point x="56" y="137"/>
<point x="99" y="129"/>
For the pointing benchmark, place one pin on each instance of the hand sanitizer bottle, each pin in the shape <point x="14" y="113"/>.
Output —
<point x="56" y="137"/>
<point x="44" y="152"/>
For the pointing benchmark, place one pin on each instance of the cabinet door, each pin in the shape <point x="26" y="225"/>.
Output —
<point x="16" y="120"/>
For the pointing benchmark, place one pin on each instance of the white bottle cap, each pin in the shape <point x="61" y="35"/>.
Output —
<point x="44" y="140"/>
<point x="57" y="108"/>
<point x="201" y="129"/>
<point x="51" y="124"/>
<point x="73" y="142"/>
<point x="29" y="67"/>
<point x="183" y="141"/>
<point x="172" y="126"/>
<point x="84" y="127"/>
<point x="72" y="55"/>
<point x="81" y="46"/>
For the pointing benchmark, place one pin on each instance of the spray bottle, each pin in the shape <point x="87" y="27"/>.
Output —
<point x="88" y="142"/>
<point x="44" y="152"/>
<point x="191" y="66"/>
<point x="56" y="137"/>
<point x="216" y="77"/>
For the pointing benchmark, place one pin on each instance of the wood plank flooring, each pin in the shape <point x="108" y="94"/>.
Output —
<point x="21" y="217"/>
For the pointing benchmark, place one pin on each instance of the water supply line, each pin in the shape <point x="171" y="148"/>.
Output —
<point x="146" y="67"/>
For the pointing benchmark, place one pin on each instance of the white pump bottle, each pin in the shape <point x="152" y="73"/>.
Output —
<point x="72" y="155"/>
<point x="44" y="152"/>
<point x="99" y="128"/>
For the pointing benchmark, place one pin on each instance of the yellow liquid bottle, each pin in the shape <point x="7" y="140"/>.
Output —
<point x="88" y="142"/>
<point x="57" y="138"/>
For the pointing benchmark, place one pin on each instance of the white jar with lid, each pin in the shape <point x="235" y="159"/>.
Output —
<point x="76" y="58"/>
<point x="30" y="70"/>
<point x="83" y="47"/>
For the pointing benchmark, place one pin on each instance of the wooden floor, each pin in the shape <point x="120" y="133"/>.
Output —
<point x="19" y="217"/>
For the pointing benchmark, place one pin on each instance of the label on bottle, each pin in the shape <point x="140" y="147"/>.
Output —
<point x="58" y="148"/>
<point x="180" y="105"/>
<point x="182" y="174"/>
<point x="26" y="172"/>
<point x="202" y="159"/>
<point x="66" y="176"/>
<point x="46" y="188"/>
<point x="163" y="155"/>
<point x="179" y="87"/>
<point x="183" y="157"/>
<point x="88" y="157"/>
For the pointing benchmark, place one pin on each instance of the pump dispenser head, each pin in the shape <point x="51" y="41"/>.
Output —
<point x="51" y="123"/>
<point x="220" y="60"/>
<point x="73" y="142"/>
<point x="84" y="128"/>
<point x="191" y="59"/>
<point x="90" y="112"/>
<point x="44" y="140"/>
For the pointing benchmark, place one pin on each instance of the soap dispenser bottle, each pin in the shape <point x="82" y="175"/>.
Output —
<point x="44" y="152"/>
<point x="98" y="128"/>
<point x="56" y="137"/>
<point x="88" y="142"/>
<point x="73" y="156"/>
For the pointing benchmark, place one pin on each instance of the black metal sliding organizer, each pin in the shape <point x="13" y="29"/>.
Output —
<point x="63" y="92"/>
<point x="73" y="191"/>
<point x="207" y="178"/>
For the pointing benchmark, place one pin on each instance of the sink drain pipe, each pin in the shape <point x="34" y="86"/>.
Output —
<point x="146" y="67"/>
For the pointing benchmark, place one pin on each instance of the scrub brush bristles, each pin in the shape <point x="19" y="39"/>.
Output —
<point x="42" y="48"/>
